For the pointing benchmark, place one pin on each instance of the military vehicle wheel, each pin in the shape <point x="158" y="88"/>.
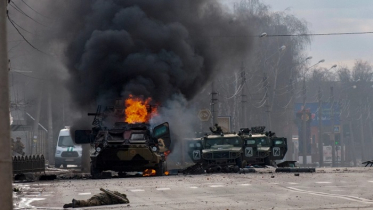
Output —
<point x="95" y="173"/>
<point x="239" y="162"/>
<point x="161" y="169"/>
<point x="122" y="174"/>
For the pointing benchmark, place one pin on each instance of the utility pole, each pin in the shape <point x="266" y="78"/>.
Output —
<point x="268" y="111"/>
<point x="332" y="134"/>
<point x="243" y="98"/>
<point x="213" y="103"/>
<point x="36" y="124"/>
<point x="50" y="151"/>
<point x="321" y="142"/>
<point x="304" y="126"/>
<point x="352" y="144"/>
<point x="290" y="153"/>
<point x="342" y="144"/>
<point x="6" y="170"/>
<point x="362" y="132"/>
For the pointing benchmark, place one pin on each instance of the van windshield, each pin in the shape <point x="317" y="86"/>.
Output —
<point x="65" y="141"/>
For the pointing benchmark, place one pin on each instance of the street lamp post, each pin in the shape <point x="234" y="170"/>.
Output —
<point x="291" y="91"/>
<point x="332" y="124"/>
<point x="304" y="118"/>
<point x="282" y="48"/>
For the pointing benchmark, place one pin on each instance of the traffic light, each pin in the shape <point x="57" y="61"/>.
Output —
<point x="336" y="142"/>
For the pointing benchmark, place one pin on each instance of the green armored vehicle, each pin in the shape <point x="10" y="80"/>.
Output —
<point x="217" y="152"/>
<point x="126" y="147"/>
<point x="262" y="148"/>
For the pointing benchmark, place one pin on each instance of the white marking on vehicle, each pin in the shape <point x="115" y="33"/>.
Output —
<point x="85" y="193"/>
<point x="163" y="189"/>
<point x="137" y="190"/>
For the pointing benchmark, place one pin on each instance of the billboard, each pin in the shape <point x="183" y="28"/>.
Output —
<point x="224" y="123"/>
<point x="325" y="113"/>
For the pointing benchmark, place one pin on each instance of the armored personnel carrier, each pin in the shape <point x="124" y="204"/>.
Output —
<point x="217" y="152"/>
<point x="125" y="147"/>
<point x="262" y="148"/>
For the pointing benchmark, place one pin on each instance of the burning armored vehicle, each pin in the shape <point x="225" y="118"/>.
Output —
<point x="128" y="145"/>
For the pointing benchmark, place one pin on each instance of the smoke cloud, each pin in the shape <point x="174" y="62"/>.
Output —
<point x="149" y="48"/>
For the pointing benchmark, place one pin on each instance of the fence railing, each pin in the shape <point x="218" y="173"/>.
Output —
<point x="28" y="163"/>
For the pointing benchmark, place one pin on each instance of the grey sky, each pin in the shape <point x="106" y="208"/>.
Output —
<point x="330" y="16"/>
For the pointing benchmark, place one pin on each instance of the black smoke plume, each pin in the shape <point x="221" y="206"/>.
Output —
<point x="149" y="48"/>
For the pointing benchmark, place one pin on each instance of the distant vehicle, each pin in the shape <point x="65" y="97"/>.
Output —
<point x="262" y="148"/>
<point x="125" y="147"/>
<point x="67" y="152"/>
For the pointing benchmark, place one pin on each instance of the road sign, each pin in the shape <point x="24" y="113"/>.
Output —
<point x="204" y="114"/>
<point x="337" y="129"/>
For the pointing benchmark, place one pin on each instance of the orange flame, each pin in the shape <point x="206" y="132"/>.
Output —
<point x="148" y="172"/>
<point x="166" y="153"/>
<point x="139" y="111"/>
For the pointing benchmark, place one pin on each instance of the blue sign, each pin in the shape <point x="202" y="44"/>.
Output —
<point x="325" y="113"/>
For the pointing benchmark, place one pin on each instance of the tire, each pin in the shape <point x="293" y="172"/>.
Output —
<point x="161" y="169"/>
<point x="95" y="173"/>
<point x="64" y="165"/>
<point x="122" y="174"/>
<point x="239" y="162"/>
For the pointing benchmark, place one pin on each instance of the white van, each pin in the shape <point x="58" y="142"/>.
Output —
<point x="67" y="152"/>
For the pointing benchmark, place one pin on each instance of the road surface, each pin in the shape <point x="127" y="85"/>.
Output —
<point x="343" y="188"/>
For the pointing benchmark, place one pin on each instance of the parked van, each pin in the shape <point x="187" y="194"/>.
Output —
<point x="67" y="152"/>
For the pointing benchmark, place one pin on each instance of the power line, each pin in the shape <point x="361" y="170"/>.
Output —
<point x="23" y="28"/>
<point x="12" y="22"/>
<point x="22" y="12"/>
<point x="35" y="10"/>
<point x="322" y="34"/>
<point x="295" y="35"/>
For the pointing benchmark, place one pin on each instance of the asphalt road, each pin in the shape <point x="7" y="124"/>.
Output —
<point x="343" y="188"/>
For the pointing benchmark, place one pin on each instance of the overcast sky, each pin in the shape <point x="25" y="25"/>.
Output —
<point x="331" y="16"/>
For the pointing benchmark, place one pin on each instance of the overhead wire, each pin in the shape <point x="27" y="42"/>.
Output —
<point x="12" y="22"/>
<point x="12" y="4"/>
<point x="35" y="10"/>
